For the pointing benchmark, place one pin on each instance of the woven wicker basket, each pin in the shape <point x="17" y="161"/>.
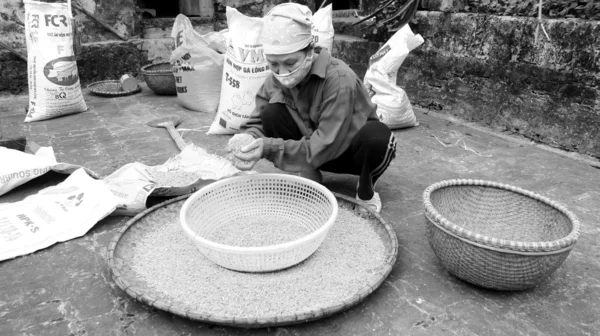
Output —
<point x="160" y="79"/>
<point x="497" y="236"/>
<point x="262" y="195"/>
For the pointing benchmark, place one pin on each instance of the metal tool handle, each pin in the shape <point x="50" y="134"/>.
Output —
<point x="176" y="136"/>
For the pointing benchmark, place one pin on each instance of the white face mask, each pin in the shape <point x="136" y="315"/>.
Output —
<point x="289" y="80"/>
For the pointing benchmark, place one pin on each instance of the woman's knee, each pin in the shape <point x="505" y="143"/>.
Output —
<point x="272" y="113"/>
<point x="278" y="123"/>
<point x="376" y="135"/>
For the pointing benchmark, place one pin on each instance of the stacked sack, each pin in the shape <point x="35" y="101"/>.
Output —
<point x="244" y="71"/>
<point x="54" y="88"/>
<point x="322" y="26"/>
<point x="197" y="65"/>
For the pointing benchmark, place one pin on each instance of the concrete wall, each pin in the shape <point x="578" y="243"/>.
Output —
<point x="489" y="69"/>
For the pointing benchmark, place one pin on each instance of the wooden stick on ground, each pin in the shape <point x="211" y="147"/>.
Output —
<point x="91" y="16"/>
<point x="6" y="46"/>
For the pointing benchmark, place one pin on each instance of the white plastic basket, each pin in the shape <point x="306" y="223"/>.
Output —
<point x="307" y="202"/>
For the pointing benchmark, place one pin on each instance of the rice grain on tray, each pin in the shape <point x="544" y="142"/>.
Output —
<point x="170" y="264"/>
<point x="189" y="166"/>
<point x="174" y="178"/>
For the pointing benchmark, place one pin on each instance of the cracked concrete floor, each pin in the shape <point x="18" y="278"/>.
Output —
<point x="67" y="289"/>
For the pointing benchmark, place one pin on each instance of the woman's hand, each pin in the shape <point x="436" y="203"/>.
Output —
<point x="239" y="141"/>
<point x="244" y="151"/>
<point x="249" y="155"/>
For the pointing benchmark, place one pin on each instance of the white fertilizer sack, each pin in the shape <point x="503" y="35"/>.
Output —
<point x="244" y="72"/>
<point x="197" y="66"/>
<point x="393" y="106"/>
<point x="131" y="184"/>
<point x="19" y="167"/>
<point x="55" y="214"/>
<point x="54" y="88"/>
<point x="322" y="26"/>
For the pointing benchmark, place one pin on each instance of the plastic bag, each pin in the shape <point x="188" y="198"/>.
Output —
<point x="190" y="170"/>
<point x="20" y="167"/>
<point x="183" y="32"/>
<point x="182" y="174"/>
<point x="393" y="107"/>
<point x="244" y="73"/>
<point x="54" y="88"/>
<point x="322" y="26"/>
<point x="131" y="184"/>
<point x="197" y="66"/>
<point x="55" y="214"/>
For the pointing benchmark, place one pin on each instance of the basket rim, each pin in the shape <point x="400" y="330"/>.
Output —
<point x="487" y="241"/>
<point x="261" y="249"/>
<point x="145" y="70"/>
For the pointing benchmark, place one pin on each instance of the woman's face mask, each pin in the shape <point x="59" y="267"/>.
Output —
<point x="281" y="63"/>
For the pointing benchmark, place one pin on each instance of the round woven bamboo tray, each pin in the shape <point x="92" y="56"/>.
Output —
<point x="110" y="88"/>
<point x="495" y="235"/>
<point x="160" y="79"/>
<point x="120" y="259"/>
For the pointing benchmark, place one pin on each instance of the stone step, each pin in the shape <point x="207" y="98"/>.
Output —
<point x="355" y="51"/>
<point x="345" y="13"/>
<point x="344" y="26"/>
<point x="161" y="28"/>
<point x="111" y="59"/>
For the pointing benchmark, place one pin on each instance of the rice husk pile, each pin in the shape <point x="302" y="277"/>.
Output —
<point x="172" y="267"/>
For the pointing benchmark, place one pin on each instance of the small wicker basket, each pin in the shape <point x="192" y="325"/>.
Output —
<point x="160" y="79"/>
<point x="495" y="235"/>
<point x="276" y="195"/>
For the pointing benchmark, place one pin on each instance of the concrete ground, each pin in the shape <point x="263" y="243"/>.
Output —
<point x="67" y="289"/>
